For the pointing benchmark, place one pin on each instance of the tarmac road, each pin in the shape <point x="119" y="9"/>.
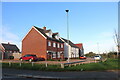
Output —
<point x="15" y="74"/>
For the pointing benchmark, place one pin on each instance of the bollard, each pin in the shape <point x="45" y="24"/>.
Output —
<point x="62" y="65"/>
<point x="9" y="63"/>
<point x="46" y="65"/>
<point x="32" y="64"/>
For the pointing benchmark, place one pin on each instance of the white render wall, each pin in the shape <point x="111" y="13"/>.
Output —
<point x="65" y="50"/>
<point x="72" y="50"/>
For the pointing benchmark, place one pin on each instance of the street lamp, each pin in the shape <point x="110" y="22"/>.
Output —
<point x="68" y="34"/>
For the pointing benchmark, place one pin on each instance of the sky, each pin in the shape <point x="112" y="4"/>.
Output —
<point x="90" y="23"/>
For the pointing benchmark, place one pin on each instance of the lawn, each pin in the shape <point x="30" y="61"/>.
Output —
<point x="110" y="64"/>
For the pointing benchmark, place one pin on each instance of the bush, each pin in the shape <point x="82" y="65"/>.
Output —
<point x="11" y="57"/>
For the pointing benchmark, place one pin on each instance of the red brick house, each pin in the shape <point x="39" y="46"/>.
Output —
<point x="43" y="43"/>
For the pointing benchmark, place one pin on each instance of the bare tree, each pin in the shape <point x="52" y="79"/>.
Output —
<point x="117" y="41"/>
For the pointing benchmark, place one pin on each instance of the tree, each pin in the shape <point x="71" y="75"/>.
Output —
<point x="90" y="54"/>
<point x="117" y="42"/>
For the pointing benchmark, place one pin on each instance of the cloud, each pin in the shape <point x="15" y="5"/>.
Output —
<point x="104" y="42"/>
<point x="8" y="35"/>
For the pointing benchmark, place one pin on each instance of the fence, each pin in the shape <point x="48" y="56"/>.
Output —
<point x="62" y="65"/>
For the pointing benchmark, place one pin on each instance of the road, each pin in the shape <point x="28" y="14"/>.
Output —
<point x="15" y="74"/>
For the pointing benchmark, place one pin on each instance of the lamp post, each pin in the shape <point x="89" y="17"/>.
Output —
<point x="67" y="34"/>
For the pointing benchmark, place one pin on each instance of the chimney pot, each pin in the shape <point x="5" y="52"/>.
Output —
<point x="44" y="28"/>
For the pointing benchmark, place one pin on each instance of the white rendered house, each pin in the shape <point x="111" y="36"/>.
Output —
<point x="73" y="49"/>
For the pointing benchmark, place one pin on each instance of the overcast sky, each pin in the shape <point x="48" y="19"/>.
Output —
<point x="90" y="23"/>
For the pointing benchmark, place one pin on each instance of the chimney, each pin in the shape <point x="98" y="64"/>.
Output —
<point x="44" y="28"/>
<point x="8" y="42"/>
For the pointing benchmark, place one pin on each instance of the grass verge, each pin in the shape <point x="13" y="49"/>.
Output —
<point x="110" y="64"/>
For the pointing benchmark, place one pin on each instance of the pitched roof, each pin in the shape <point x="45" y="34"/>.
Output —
<point x="54" y="34"/>
<point x="70" y="43"/>
<point x="46" y="31"/>
<point x="49" y="38"/>
<point x="80" y="45"/>
<point x="10" y="47"/>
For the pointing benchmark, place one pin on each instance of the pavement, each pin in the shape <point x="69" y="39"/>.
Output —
<point x="16" y="74"/>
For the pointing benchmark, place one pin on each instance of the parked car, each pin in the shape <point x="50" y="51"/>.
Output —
<point x="82" y="57"/>
<point x="29" y="57"/>
<point x="97" y="57"/>
<point x="41" y="59"/>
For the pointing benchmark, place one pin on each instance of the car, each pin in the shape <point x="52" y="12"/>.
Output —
<point x="82" y="57"/>
<point x="29" y="57"/>
<point x="41" y="59"/>
<point x="97" y="57"/>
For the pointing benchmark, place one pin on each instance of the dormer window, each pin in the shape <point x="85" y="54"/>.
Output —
<point x="55" y="35"/>
<point x="49" y="33"/>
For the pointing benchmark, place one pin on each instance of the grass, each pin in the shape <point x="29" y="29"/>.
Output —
<point x="110" y="64"/>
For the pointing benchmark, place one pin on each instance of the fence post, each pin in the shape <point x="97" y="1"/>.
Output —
<point x="95" y="61"/>
<point x="62" y="65"/>
<point x="9" y="63"/>
<point x="69" y="65"/>
<point x="20" y="64"/>
<point x="32" y="64"/>
<point x="46" y="65"/>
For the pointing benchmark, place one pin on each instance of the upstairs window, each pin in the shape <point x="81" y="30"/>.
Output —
<point x="49" y="43"/>
<point x="54" y="44"/>
<point x="58" y="45"/>
<point x="61" y="45"/>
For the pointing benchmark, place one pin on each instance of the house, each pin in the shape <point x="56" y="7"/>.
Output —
<point x="43" y="43"/>
<point x="7" y="50"/>
<point x="81" y="49"/>
<point x="73" y="49"/>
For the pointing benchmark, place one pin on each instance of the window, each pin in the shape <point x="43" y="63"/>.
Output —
<point x="58" y="54"/>
<point x="58" y="45"/>
<point x="61" y="45"/>
<point x="54" y="55"/>
<point x="49" y="43"/>
<point x="54" y="45"/>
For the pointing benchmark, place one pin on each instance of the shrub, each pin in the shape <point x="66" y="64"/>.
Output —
<point x="11" y="57"/>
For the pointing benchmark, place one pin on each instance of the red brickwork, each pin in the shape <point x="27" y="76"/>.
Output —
<point x="34" y="43"/>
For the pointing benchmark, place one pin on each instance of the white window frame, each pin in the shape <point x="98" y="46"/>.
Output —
<point x="54" y="44"/>
<point x="58" y="45"/>
<point x="61" y="45"/>
<point x="54" y="55"/>
<point x="49" y="43"/>
<point x="58" y="54"/>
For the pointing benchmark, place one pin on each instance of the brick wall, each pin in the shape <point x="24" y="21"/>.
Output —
<point x="51" y="48"/>
<point x="34" y="43"/>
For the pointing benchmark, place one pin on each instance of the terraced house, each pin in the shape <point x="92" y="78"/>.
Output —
<point x="43" y="43"/>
